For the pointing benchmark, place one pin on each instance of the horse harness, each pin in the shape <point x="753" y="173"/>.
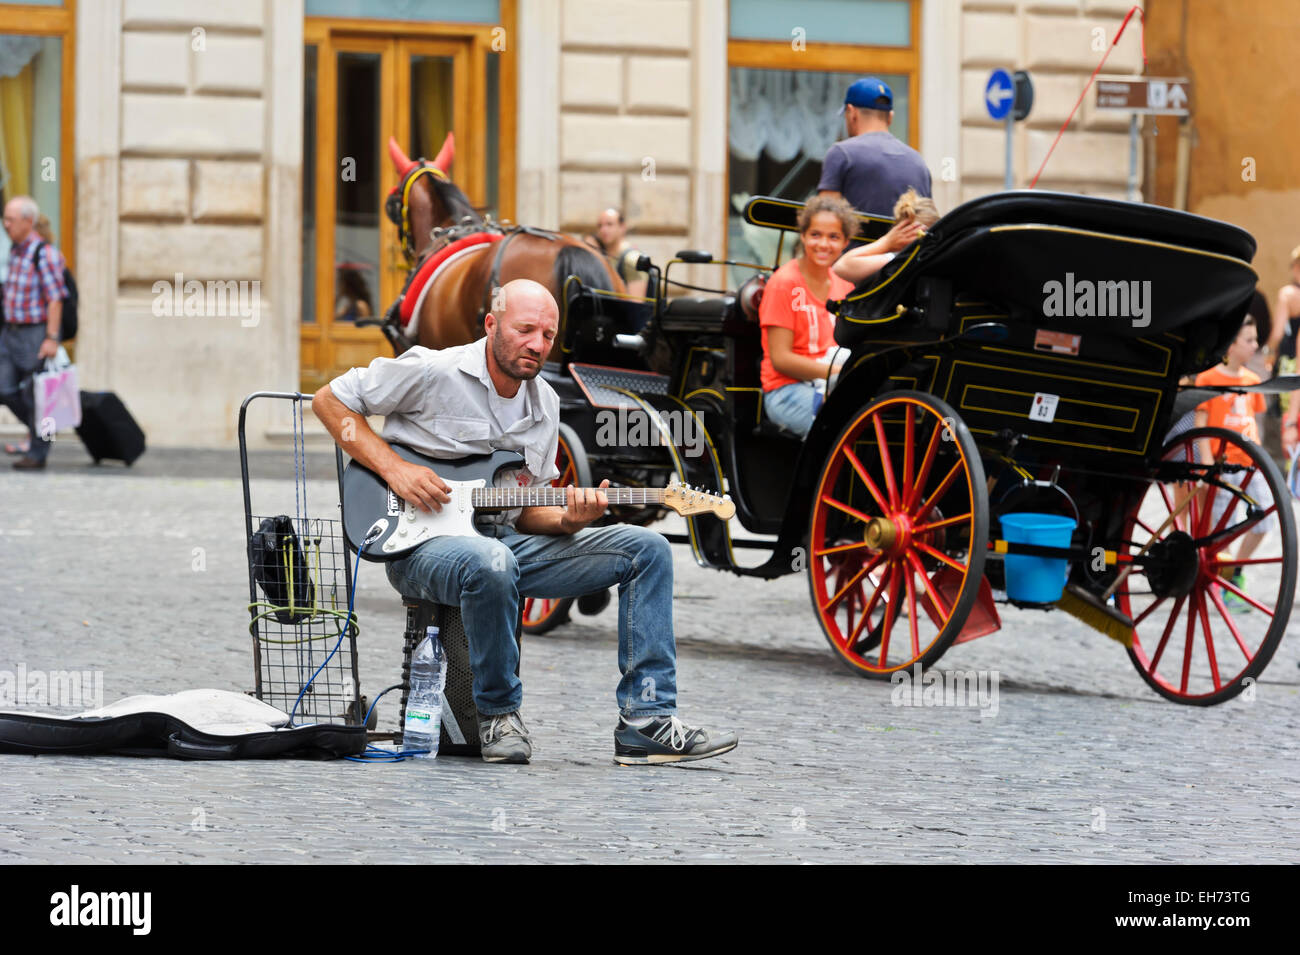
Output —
<point x="398" y="204"/>
<point x="398" y="209"/>
<point x="494" y="276"/>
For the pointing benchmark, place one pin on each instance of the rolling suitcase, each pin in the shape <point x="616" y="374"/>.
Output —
<point x="107" y="428"/>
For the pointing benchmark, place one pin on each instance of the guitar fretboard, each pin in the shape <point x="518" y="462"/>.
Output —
<point x="558" y="496"/>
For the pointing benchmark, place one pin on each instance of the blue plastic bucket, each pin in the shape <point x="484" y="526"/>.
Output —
<point x="1036" y="579"/>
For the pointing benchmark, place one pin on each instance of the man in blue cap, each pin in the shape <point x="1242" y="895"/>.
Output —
<point x="871" y="168"/>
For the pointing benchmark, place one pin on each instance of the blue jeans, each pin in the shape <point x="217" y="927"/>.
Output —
<point x="19" y="345"/>
<point x="792" y="406"/>
<point x="486" y="577"/>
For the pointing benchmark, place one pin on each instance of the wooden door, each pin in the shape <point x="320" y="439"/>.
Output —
<point x="361" y="87"/>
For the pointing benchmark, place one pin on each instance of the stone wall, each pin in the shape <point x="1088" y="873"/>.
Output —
<point x="635" y="120"/>
<point x="192" y="111"/>
<point x="1060" y="43"/>
<point x="1244" y="140"/>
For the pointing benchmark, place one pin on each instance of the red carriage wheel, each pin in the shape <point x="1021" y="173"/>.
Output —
<point x="546" y="613"/>
<point x="898" y="535"/>
<point x="1207" y="619"/>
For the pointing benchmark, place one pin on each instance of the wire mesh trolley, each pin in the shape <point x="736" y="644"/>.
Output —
<point x="300" y="586"/>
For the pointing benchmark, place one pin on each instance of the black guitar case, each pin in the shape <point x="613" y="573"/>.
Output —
<point x="151" y="726"/>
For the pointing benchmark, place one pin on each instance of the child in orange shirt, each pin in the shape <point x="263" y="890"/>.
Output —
<point x="1235" y="413"/>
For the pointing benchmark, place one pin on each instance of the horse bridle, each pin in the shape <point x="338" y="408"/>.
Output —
<point x="398" y="204"/>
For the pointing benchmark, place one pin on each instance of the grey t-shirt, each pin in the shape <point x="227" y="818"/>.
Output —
<point x="443" y="404"/>
<point x="872" y="170"/>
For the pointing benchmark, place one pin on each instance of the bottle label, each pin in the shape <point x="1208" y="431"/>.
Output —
<point x="420" y="715"/>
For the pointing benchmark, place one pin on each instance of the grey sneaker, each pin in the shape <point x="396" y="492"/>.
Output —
<point x="504" y="739"/>
<point x="667" y="740"/>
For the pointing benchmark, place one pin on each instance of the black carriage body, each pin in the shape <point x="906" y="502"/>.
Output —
<point x="1034" y="262"/>
<point x="1024" y="261"/>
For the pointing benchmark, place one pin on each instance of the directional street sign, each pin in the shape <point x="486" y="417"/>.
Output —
<point x="999" y="94"/>
<point x="1009" y="98"/>
<point x="1152" y="95"/>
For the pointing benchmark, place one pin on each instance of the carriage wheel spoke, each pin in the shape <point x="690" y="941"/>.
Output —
<point x="851" y="511"/>
<point x="1207" y="508"/>
<point x="1142" y="524"/>
<point x="1193" y="512"/>
<point x="941" y="490"/>
<point x="840" y="548"/>
<point x="1231" y="506"/>
<point x="1187" y="646"/>
<point x="914" y="492"/>
<point x="939" y="555"/>
<point x="935" y="598"/>
<point x="911" y="613"/>
<point x="862" y="571"/>
<point x="1229" y="585"/>
<point x="909" y="438"/>
<point x="1169" y="505"/>
<point x="866" y="479"/>
<point x="886" y="462"/>
<point x="1232" y="626"/>
<point x="1221" y="561"/>
<point x="935" y="525"/>
<point x="1164" y="637"/>
<point x="1244" y="527"/>
<point x="1146" y="613"/>
<point x="891" y="612"/>
<point x="840" y="594"/>
<point x="1209" y="643"/>
<point x="867" y="611"/>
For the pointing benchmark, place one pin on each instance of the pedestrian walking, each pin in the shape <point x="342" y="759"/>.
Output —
<point x="33" y="310"/>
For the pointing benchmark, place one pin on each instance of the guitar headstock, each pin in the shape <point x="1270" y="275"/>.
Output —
<point x="688" y="501"/>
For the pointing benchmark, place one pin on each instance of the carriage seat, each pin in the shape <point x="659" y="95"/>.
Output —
<point x="697" y="313"/>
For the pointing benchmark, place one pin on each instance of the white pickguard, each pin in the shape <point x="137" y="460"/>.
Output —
<point x="456" y="519"/>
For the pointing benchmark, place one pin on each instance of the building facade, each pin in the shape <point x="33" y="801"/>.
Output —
<point x="228" y="161"/>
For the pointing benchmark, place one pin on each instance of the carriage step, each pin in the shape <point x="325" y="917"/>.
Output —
<point x="983" y="618"/>
<point x="604" y="386"/>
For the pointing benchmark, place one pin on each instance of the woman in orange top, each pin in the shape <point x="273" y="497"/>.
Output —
<point x="798" y="334"/>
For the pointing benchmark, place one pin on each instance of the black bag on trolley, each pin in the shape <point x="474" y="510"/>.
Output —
<point x="280" y="570"/>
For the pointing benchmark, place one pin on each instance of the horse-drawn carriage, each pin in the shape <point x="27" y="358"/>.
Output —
<point x="1016" y="367"/>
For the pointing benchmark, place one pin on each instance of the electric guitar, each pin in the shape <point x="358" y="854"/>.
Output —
<point x="390" y="528"/>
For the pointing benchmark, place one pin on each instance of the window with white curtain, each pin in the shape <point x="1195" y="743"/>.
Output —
<point x="779" y="126"/>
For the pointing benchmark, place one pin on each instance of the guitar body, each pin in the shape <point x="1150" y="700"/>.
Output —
<point x="368" y="502"/>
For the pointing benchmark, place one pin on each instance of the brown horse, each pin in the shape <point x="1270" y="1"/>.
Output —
<point x="461" y="295"/>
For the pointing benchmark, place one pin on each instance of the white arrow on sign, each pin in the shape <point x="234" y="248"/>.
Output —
<point x="997" y="95"/>
<point x="1177" y="98"/>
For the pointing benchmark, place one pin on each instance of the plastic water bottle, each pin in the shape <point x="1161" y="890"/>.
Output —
<point x="424" y="703"/>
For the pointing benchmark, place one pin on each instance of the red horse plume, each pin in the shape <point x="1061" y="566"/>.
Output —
<point x="443" y="160"/>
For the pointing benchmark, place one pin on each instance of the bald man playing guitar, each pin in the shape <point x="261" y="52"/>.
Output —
<point x="488" y="397"/>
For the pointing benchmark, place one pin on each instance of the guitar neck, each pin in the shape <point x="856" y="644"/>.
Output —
<point x="559" y="496"/>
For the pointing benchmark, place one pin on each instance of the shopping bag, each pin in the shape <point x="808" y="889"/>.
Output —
<point x="57" y="398"/>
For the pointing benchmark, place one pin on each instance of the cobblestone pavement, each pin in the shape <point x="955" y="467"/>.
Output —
<point x="1081" y="763"/>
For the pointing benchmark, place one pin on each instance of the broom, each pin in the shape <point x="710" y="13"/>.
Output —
<point x="1095" y="611"/>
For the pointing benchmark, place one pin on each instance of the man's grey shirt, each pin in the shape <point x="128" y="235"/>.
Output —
<point x="438" y="402"/>
<point x="872" y="170"/>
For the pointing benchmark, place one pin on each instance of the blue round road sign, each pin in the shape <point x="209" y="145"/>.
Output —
<point x="999" y="94"/>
